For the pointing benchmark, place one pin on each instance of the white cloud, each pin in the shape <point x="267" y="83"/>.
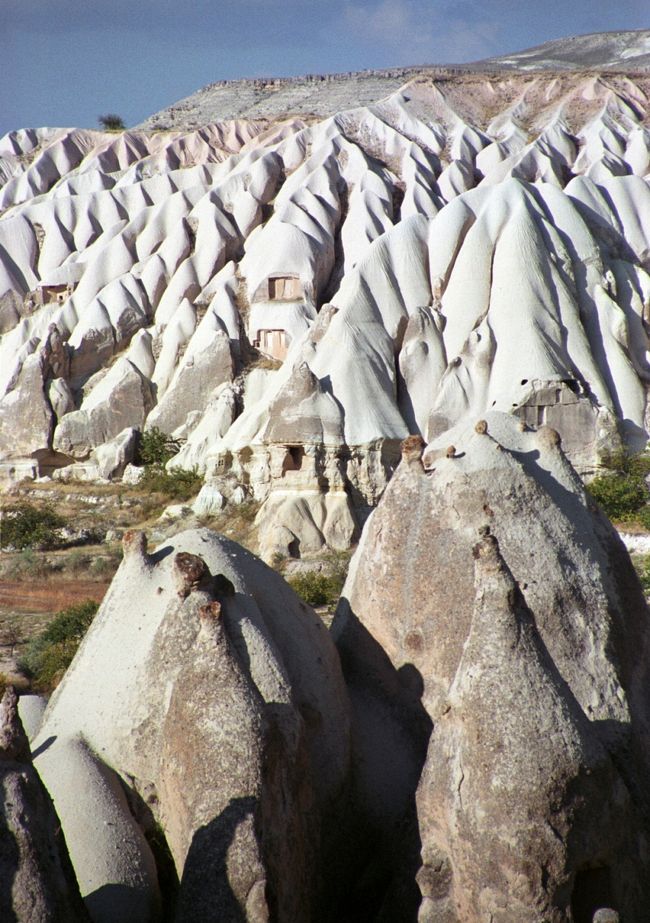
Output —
<point x="422" y="32"/>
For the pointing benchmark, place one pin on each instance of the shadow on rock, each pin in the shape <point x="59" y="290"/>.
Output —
<point x="205" y="892"/>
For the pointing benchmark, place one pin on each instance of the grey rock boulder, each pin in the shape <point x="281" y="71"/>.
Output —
<point x="121" y="400"/>
<point x="217" y="696"/>
<point x="507" y="698"/>
<point x="37" y="883"/>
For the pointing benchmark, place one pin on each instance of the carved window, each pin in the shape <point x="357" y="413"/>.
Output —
<point x="273" y="343"/>
<point x="284" y="288"/>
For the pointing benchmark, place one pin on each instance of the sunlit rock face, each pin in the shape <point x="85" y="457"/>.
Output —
<point x="494" y="639"/>
<point x="293" y="297"/>
<point x="215" y="707"/>
<point x="470" y="740"/>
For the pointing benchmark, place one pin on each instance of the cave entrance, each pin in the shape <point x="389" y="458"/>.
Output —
<point x="273" y="343"/>
<point x="293" y="458"/>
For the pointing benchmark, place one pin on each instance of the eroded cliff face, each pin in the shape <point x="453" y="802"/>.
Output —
<point x="209" y="699"/>
<point x="293" y="298"/>
<point x="471" y="740"/>
<point x="493" y="621"/>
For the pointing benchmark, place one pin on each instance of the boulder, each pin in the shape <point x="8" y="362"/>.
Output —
<point x="113" y="457"/>
<point x="26" y="418"/>
<point x="209" y="501"/>
<point x="303" y="412"/>
<point x="132" y="474"/>
<point x="494" y="638"/>
<point x="37" y="883"/>
<point x="200" y="649"/>
<point x="121" y="400"/>
<point x="297" y="522"/>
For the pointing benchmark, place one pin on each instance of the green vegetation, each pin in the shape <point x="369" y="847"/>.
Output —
<point x="28" y="565"/>
<point x="155" y="449"/>
<point x="48" y="655"/>
<point x="642" y="566"/>
<point x="111" y="122"/>
<point x="28" y="526"/>
<point x="177" y="484"/>
<point x="315" y="588"/>
<point x="622" y="492"/>
<point x="322" y="588"/>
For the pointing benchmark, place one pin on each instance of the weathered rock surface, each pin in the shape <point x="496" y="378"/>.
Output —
<point x="476" y="745"/>
<point x="327" y="94"/>
<point x="457" y="246"/>
<point x="37" y="883"/>
<point x="213" y="697"/>
<point x="494" y="638"/>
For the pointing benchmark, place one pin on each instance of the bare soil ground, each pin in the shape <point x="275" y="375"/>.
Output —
<point x="27" y="610"/>
<point x="17" y="596"/>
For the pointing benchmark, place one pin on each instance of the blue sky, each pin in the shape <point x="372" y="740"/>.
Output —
<point x="64" y="62"/>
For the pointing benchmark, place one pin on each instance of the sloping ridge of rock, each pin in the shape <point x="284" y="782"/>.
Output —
<point x="292" y="298"/>
<point x="494" y="631"/>
<point x="324" y="94"/>
<point x="369" y="270"/>
<point x="37" y="882"/>
<point x="207" y="698"/>
<point x="471" y="742"/>
<point x="615" y="50"/>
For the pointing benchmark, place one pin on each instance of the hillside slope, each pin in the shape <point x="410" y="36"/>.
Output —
<point x="602" y="50"/>
<point x="292" y="298"/>
<point x="320" y="95"/>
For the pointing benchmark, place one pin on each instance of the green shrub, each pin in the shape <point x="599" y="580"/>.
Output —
<point x="78" y="562"/>
<point x="620" y="495"/>
<point x="27" y="526"/>
<point x="623" y="494"/>
<point x="643" y="517"/>
<point x="49" y="654"/>
<point x="177" y="484"/>
<point x="642" y="566"/>
<point x="315" y="588"/>
<point x="156" y="447"/>
<point x="105" y="565"/>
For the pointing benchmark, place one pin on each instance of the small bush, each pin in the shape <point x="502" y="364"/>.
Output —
<point x="623" y="494"/>
<point x="316" y="588"/>
<point x="28" y="526"/>
<point x="642" y="566"/>
<point x="156" y="447"/>
<point x="620" y="496"/>
<point x="105" y="565"/>
<point x="49" y="654"/>
<point x="177" y="484"/>
<point x="111" y="122"/>
<point x="643" y="517"/>
<point x="78" y="562"/>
